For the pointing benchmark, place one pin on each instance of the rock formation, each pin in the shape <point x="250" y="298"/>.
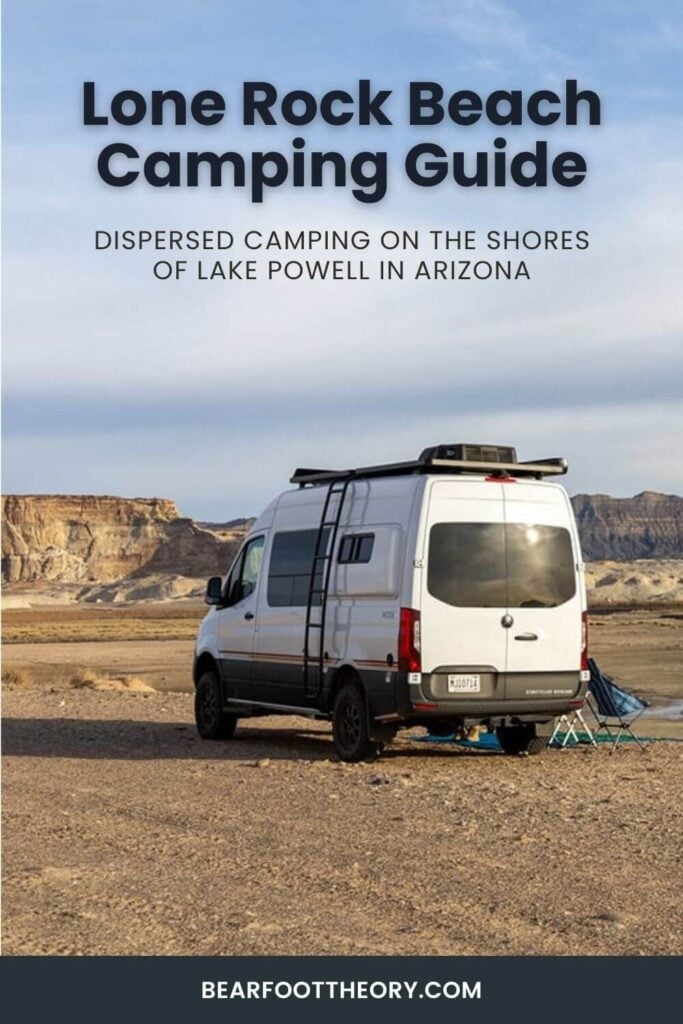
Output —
<point x="86" y="539"/>
<point x="105" y="549"/>
<point x="650" y="525"/>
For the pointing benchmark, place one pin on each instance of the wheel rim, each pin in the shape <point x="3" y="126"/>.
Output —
<point x="350" y="724"/>
<point x="209" y="707"/>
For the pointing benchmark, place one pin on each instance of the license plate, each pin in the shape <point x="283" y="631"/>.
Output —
<point x="464" y="684"/>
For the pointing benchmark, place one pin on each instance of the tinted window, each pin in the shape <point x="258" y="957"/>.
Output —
<point x="289" y="573"/>
<point x="540" y="566"/>
<point x="230" y="589"/>
<point x="253" y="554"/>
<point x="244" y="577"/>
<point x="489" y="565"/>
<point x="356" y="547"/>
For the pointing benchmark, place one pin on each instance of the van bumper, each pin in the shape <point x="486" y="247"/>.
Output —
<point x="534" y="695"/>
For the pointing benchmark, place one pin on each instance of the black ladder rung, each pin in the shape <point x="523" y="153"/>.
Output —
<point x="314" y="661"/>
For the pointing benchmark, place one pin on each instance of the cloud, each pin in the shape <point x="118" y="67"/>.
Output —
<point x="658" y="37"/>
<point x="217" y="473"/>
<point x="214" y="392"/>
<point x="482" y="22"/>
<point x="670" y="34"/>
<point x="493" y="30"/>
<point x="113" y="379"/>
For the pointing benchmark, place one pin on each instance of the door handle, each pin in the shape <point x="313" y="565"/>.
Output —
<point x="249" y="615"/>
<point x="527" y="636"/>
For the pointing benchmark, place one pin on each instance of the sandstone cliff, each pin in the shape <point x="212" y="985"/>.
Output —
<point x="86" y="539"/>
<point x="649" y="525"/>
<point x="98" y="548"/>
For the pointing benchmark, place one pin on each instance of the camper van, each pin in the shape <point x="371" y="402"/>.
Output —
<point x="445" y="592"/>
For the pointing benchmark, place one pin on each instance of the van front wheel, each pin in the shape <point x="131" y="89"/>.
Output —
<point x="212" y="722"/>
<point x="350" y="725"/>
<point x="520" y="739"/>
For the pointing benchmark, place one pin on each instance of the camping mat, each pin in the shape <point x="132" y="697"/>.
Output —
<point x="584" y="738"/>
<point x="489" y="740"/>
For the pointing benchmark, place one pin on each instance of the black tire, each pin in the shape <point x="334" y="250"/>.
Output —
<point x="520" y="739"/>
<point x="350" y="725"/>
<point x="213" y="723"/>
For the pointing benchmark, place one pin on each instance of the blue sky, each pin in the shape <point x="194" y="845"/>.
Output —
<point x="211" y="394"/>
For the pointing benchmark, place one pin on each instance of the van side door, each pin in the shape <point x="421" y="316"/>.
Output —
<point x="278" y="673"/>
<point x="237" y="617"/>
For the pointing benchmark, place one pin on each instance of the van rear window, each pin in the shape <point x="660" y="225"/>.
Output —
<point x="496" y="565"/>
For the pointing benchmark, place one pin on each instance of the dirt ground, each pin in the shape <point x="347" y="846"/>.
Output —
<point x="169" y="620"/>
<point x="644" y="649"/>
<point x="124" y="833"/>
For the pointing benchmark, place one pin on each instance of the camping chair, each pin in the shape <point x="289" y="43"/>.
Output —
<point x="567" y="724"/>
<point x="614" y="709"/>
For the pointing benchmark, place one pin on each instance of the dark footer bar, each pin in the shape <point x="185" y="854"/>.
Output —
<point x="192" y="989"/>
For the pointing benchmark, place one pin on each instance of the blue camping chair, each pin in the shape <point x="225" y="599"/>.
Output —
<point x="615" y="710"/>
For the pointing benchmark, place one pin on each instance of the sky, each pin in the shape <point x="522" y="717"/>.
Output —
<point x="211" y="393"/>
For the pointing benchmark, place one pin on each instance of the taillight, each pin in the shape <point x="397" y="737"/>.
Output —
<point x="584" y="642"/>
<point x="409" y="641"/>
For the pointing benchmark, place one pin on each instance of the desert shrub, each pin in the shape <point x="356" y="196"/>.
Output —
<point x="88" y="679"/>
<point x="136" y="685"/>
<point x="84" y="679"/>
<point x="16" y="678"/>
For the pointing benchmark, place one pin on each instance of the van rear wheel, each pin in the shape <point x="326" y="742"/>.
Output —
<point x="520" y="739"/>
<point x="213" y="723"/>
<point x="350" y="725"/>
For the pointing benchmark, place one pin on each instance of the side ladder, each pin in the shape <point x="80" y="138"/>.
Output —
<point x="318" y="587"/>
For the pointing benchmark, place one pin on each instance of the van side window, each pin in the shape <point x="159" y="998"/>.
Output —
<point x="289" y="573"/>
<point x="244" y="577"/>
<point x="356" y="547"/>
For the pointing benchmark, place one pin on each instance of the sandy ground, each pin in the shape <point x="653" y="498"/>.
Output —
<point x="644" y="649"/>
<point x="124" y="833"/>
<point x="165" y="664"/>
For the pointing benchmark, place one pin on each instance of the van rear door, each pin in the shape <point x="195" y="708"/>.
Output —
<point x="463" y="642"/>
<point x="544" y="596"/>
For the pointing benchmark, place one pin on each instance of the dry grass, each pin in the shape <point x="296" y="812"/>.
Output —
<point x="74" y="625"/>
<point x="84" y="678"/>
<point x="89" y="679"/>
<point x="16" y="679"/>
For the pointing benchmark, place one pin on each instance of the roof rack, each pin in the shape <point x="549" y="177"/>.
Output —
<point x="430" y="464"/>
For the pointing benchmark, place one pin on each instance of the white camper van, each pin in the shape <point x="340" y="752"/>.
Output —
<point x="446" y="592"/>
